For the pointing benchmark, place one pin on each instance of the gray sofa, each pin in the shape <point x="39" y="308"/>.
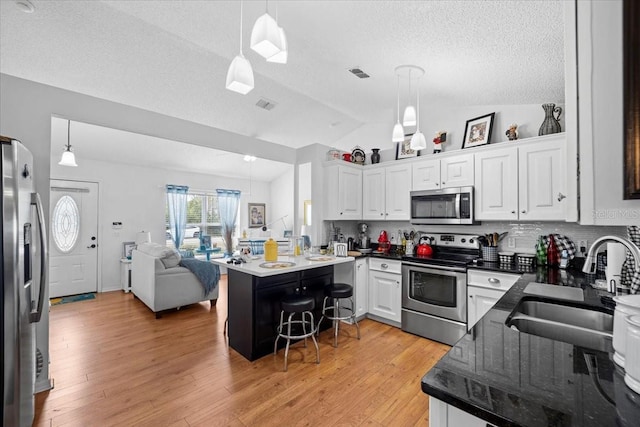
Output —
<point x="161" y="283"/>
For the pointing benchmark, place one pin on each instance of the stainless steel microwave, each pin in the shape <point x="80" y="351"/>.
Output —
<point x="445" y="206"/>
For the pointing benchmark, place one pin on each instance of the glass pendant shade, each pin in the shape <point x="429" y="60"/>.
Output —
<point x="265" y="36"/>
<point x="68" y="158"/>
<point x="398" y="133"/>
<point x="409" y="118"/>
<point x="418" y="141"/>
<point x="240" y="75"/>
<point x="282" y="56"/>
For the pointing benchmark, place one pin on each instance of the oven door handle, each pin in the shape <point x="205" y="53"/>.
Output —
<point x="457" y="205"/>
<point x="426" y="267"/>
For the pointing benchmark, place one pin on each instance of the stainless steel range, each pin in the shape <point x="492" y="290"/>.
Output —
<point x="434" y="288"/>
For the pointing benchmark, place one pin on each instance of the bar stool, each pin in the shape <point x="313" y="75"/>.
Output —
<point x="296" y="304"/>
<point x="338" y="291"/>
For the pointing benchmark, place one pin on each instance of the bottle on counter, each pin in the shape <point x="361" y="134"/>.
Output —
<point x="270" y="250"/>
<point x="541" y="251"/>
<point x="552" y="253"/>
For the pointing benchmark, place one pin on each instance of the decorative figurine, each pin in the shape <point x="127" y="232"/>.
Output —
<point x="439" y="139"/>
<point x="512" y="132"/>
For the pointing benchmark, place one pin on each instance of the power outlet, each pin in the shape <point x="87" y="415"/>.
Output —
<point x="582" y="247"/>
<point x="511" y="242"/>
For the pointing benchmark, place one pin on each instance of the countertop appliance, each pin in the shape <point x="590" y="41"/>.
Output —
<point x="23" y="247"/>
<point x="364" y="241"/>
<point x="445" y="206"/>
<point x="434" y="288"/>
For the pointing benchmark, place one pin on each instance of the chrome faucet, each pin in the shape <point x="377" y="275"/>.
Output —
<point x="590" y="261"/>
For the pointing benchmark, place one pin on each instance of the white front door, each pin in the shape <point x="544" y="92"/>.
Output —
<point x="73" y="237"/>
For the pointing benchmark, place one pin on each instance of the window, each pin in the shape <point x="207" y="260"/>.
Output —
<point x="203" y="218"/>
<point x="65" y="224"/>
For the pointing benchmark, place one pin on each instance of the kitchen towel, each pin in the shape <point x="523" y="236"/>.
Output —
<point x="563" y="243"/>
<point x="630" y="277"/>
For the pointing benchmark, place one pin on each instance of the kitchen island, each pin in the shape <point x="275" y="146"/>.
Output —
<point x="255" y="290"/>
<point x="499" y="375"/>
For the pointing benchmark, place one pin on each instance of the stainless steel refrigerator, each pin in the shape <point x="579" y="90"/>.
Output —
<point x="24" y="276"/>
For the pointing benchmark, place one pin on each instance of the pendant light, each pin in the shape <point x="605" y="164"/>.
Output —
<point x="240" y="74"/>
<point x="68" y="158"/>
<point x="265" y="36"/>
<point x="409" y="118"/>
<point x="398" y="130"/>
<point x="282" y="56"/>
<point x="418" y="141"/>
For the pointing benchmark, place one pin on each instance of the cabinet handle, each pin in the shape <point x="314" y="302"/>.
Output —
<point x="513" y="212"/>
<point x="437" y="183"/>
<point x="561" y="196"/>
<point x="523" y="211"/>
<point x="340" y="213"/>
<point x="470" y="296"/>
<point x="384" y="266"/>
<point x="381" y="214"/>
<point x="91" y="247"/>
<point x="443" y="183"/>
<point x="493" y="280"/>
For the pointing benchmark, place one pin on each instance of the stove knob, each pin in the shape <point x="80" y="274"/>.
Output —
<point x="463" y="240"/>
<point x="470" y="240"/>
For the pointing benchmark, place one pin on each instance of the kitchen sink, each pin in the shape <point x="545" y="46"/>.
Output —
<point x="560" y="321"/>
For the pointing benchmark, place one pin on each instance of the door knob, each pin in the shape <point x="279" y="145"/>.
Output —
<point x="561" y="196"/>
<point x="92" y="246"/>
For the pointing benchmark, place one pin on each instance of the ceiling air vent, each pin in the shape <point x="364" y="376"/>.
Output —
<point x="359" y="73"/>
<point x="265" y="104"/>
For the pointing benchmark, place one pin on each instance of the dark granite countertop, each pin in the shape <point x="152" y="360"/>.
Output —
<point x="511" y="378"/>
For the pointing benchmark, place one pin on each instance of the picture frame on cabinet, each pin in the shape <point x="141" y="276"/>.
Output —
<point x="403" y="149"/>
<point x="257" y="215"/>
<point x="478" y="131"/>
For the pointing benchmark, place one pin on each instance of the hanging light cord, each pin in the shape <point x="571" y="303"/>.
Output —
<point x="418" y="106"/>
<point x="68" y="135"/>
<point x="240" y="27"/>
<point x="398" y="94"/>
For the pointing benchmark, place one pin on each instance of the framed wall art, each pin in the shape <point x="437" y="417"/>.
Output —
<point x="257" y="215"/>
<point x="478" y="131"/>
<point x="127" y="248"/>
<point x="403" y="149"/>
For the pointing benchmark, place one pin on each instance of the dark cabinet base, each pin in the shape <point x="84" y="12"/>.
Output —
<point x="254" y="306"/>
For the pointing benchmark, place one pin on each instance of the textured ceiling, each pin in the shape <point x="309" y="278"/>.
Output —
<point x="172" y="57"/>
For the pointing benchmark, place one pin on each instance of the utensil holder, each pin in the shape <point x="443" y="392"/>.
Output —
<point x="490" y="253"/>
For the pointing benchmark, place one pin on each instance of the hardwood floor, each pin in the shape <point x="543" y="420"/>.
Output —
<point x="114" y="364"/>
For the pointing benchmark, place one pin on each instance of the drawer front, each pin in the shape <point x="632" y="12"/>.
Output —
<point x="389" y="266"/>
<point x="491" y="279"/>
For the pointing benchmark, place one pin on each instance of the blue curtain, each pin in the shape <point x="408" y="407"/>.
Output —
<point x="177" y="204"/>
<point x="228" y="205"/>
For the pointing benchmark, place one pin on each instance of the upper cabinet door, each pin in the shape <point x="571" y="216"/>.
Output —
<point x="496" y="184"/>
<point x="426" y="175"/>
<point x="373" y="189"/>
<point x="542" y="175"/>
<point x="456" y="171"/>
<point x="349" y="193"/>
<point x="398" y="183"/>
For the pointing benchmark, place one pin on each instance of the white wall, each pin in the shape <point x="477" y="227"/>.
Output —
<point x="281" y="203"/>
<point x="136" y="197"/>
<point x="601" y="119"/>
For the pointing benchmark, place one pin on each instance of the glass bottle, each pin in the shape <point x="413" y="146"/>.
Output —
<point x="552" y="252"/>
<point x="541" y="251"/>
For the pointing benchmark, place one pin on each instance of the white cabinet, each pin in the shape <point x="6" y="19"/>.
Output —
<point x="543" y="180"/>
<point x="385" y="291"/>
<point x="525" y="182"/>
<point x="356" y="275"/>
<point x="451" y="171"/>
<point x="343" y="193"/>
<point x="444" y="415"/>
<point x="362" y="287"/>
<point x="484" y="289"/>
<point x="386" y="193"/>
<point x="496" y="184"/>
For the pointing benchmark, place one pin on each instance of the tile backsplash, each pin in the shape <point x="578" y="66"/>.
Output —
<point x="525" y="233"/>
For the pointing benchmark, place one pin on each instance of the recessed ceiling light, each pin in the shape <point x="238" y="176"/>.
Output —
<point x="25" y="6"/>
<point x="249" y="158"/>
